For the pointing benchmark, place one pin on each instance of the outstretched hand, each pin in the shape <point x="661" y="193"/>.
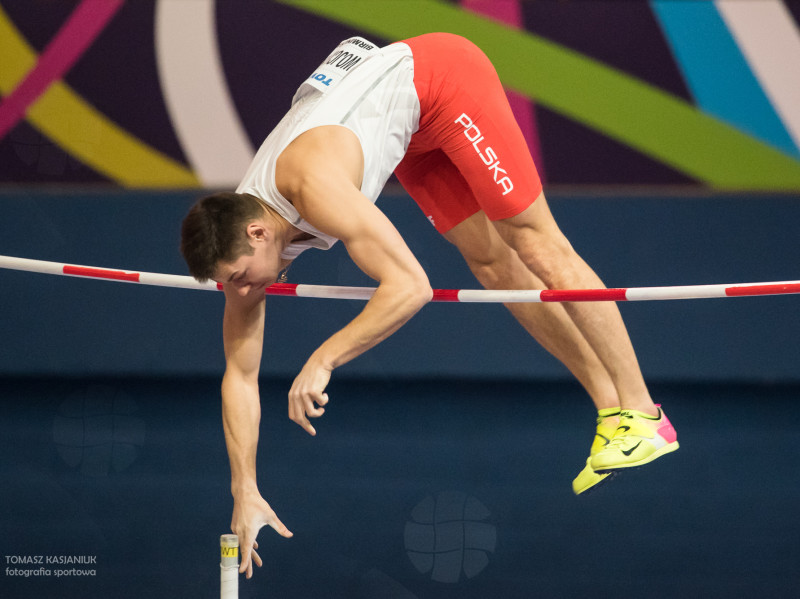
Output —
<point x="308" y="392"/>
<point x="250" y="513"/>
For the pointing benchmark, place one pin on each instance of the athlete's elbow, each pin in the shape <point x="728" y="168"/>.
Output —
<point x="408" y="293"/>
<point x="420" y="292"/>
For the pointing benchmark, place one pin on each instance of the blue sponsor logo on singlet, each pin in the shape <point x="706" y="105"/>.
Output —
<point x="322" y="78"/>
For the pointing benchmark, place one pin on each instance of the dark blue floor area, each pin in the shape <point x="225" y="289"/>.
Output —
<point x="411" y="489"/>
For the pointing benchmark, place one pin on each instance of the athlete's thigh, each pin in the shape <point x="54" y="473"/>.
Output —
<point x="478" y="240"/>
<point x="466" y="115"/>
<point x="536" y="218"/>
<point x="533" y="231"/>
<point x="437" y="187"/>
<point x="491" y="260"/>
<point x="491" y="153"/>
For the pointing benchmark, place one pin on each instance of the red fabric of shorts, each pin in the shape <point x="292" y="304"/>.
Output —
<point x="469" y="153"/>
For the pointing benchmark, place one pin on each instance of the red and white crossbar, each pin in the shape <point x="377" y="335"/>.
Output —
<point x="631" y="294"/>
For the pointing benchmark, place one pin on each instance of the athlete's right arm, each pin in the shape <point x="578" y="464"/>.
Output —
<point x="243" y="336"/>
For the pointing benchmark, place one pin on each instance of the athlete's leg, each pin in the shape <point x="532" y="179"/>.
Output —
<point x="466" y="117"/>
<point x="546" y="252"/>
<point x="497" y="266"/>
<point x="443" y="194"/>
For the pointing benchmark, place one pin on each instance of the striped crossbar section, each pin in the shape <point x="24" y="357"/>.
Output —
<point x="631" y="294"/>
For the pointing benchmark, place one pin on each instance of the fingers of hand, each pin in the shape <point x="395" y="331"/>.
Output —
<point x="280" y="527"/>
<point x="246" y="566"/>
<point x="307" y="395"/>
<point x="302" y="407"/>
<point x="249" y="557"/>
<point x="249" y="572"/>
<point x="298" y="415"/>
<point x="251" y="513"/>
<point x="312" y="410"/>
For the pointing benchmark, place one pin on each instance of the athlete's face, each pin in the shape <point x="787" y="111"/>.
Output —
<point x="251" y="274"/>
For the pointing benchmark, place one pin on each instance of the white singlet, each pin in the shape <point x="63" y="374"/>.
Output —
<point x="366" y="89"/>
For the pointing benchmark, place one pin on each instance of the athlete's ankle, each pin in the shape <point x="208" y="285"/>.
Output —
<point x="644" y="407"/>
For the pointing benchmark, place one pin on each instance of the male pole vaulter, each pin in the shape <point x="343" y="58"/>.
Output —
<point x="432" y="110"/>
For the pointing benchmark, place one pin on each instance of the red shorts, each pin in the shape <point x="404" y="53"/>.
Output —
<point x="469" y="153"/>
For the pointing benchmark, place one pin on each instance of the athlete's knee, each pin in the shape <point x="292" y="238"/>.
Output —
<point x="488" y="274"/>
<point x="493" y="269"/>
<point x="546" y="254"/>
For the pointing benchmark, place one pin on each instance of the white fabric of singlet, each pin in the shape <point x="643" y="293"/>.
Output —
<point x="368" y="90"/>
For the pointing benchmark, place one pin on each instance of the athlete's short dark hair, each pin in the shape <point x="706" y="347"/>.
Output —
<point x="215" y="230"/>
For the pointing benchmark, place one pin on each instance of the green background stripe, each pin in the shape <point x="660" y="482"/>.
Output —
<point x="622" y="107"/>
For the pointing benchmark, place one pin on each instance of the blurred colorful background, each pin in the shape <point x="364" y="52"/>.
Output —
<point x="179" y="93"/>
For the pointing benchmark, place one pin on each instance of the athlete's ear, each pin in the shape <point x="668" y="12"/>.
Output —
<point x="256" y="231"/>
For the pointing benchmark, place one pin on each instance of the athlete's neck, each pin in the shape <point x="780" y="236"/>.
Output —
<point x="285" y="233"/>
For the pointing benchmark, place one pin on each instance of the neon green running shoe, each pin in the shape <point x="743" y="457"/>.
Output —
<point x="638" y="440"/>
<point x="607" y="421"/>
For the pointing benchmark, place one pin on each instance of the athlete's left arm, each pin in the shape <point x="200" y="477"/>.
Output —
<point x="320" y="172"/>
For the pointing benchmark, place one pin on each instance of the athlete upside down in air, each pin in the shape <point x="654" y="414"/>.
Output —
<point x="432" y="110"/>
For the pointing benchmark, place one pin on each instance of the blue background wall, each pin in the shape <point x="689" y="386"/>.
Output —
<point x="132" y="471"/>
<point x="58" y="325"/>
